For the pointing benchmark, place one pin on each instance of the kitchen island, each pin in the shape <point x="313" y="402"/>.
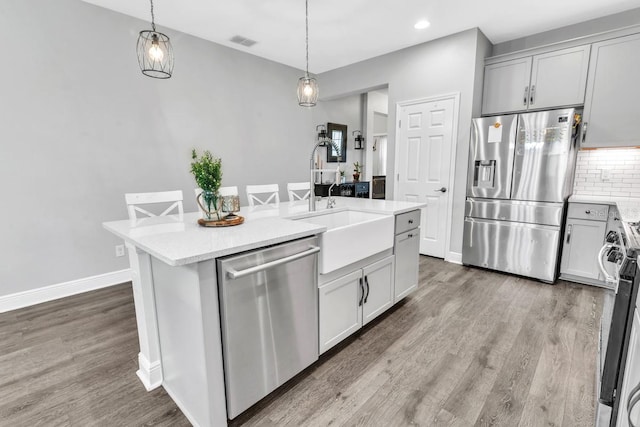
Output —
<point x="173" y="262"/>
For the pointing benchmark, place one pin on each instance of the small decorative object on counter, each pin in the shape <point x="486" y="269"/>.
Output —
<point x="343" y="178"/>
<point x="357" y="168"/>
<point x="207" y="171"/>
<point x="231" y="205"/>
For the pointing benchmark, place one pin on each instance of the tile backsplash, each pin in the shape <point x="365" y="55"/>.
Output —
<point x="614" y="172"/>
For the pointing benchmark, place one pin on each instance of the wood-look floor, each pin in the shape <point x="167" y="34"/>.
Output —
<point x="470" y="347"/>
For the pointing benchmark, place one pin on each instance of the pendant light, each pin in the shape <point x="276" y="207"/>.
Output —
<point x="155" y="54"/>
<point x="307" y="86"/>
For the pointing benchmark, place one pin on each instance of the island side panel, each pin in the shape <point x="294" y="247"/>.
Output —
<point x="150" y="370"/>
<point x="190" y="345"/>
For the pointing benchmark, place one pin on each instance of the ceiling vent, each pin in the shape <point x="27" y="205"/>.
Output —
<point x="243" y="41"/>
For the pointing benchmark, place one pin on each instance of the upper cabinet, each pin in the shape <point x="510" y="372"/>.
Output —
<point x="612" y="106"/>
<point x="549" y="80"/>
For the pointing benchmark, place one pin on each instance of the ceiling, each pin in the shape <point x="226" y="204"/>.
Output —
<point x="342" y="32"/>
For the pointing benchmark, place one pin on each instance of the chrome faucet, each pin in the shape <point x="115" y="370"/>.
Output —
<point x="331" y="202"/>
<point x="323" y="141"/>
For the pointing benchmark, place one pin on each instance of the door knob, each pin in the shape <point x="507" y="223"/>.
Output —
<point x="442" y="190"/>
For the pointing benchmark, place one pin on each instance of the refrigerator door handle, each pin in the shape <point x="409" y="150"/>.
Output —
<point x="234" y="274"/>
<point x="569" y="228"/>
<point x="526" y="95"/>
<point x="533" y="95"/>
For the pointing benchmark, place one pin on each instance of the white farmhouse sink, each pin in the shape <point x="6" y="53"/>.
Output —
<point x="351" y="236"/>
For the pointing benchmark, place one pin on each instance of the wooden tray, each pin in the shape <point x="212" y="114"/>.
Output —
<point x="221" y="222"/>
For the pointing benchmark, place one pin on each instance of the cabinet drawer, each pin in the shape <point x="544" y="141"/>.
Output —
<point x="407" y="221"/>
<point x="588" y="211"/>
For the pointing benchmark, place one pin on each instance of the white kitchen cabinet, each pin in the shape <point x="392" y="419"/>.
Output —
<point x="549" y="80"/>
<point x="506" y="86"/>
<point x="584" y="236"/>
<point x="611" y="108"/>
<point x="353" y="300"/>
<point x="407" y="250"/>
<point x="378" y="285"/>
<point x="340" y="309"/>
<point x="631" y="377"/>
<point x="582" y="242"/>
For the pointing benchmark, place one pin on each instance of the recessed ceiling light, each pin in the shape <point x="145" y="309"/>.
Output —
<point x="422" y="24"/>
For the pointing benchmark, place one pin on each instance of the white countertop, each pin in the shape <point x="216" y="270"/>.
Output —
<point x="178" y="241"/>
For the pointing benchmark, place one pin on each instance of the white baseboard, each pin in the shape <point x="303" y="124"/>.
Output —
<point x="149" y="373"/>
<point x="61" y="290"/>
<point x="454" y="257"/>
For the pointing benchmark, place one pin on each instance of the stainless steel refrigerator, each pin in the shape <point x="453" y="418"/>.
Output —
<point x="521" y="170"/>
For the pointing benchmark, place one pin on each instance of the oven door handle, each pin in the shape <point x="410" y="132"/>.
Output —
<point x="608" y="278"/>
<point x="634" y="398"/>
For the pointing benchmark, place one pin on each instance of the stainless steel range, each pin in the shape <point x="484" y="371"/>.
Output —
<point x="617" y="323"/>
<point x="521" y="171"/>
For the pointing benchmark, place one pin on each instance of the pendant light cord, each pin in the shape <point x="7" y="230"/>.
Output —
<point x="306" y="14"/>
<point x="153" y="23"/>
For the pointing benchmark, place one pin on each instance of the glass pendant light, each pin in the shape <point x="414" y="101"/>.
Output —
<point x="155" y="54"/>
<point x="307" y="86"/>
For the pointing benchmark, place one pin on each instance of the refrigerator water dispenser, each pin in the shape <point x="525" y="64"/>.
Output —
<point x="484" y="174"/>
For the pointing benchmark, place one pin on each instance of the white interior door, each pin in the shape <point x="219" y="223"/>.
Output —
<point x="423" y="166"/>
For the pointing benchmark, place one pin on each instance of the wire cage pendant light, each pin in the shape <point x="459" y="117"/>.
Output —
<point x="155" y="53"/>
<point x="307" y="86"/>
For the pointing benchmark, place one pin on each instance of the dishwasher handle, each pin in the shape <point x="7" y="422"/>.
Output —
<point x="234" y="274"/>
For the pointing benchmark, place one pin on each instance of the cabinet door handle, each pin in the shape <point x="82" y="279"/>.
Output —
<point x="366" y="281"/>
<point x="588" y="212"/>
<point x="410" y="221"/>
<point x="584" y="132"/>
<point x="361" y="291"/>
<point x="526" y="95"/>
<point x="569" y="234"/>
<point x="634" y="398"/>
<point x="533" y="95"/>
<point x="409" y="235"/>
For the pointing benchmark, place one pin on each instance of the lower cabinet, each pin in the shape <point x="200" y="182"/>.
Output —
<point x="629" y="409"/>
<point x="583" y="238"/>
<point x="353" y="300"/>
<point x="407" y="250"/>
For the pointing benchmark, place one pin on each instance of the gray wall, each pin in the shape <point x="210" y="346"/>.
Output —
<point x="346" y="111"/>
<point x="449" y="64"/>
<point x="81" y="126"/>
<point x="594" y="26"/>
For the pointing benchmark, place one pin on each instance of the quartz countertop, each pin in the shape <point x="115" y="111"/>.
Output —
<point x="180" y="241"/>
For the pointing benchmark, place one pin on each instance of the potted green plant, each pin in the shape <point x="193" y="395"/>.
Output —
<point x="207" y="170"/>
<point x="342" y="177"/>
<point x="357" y="168"/>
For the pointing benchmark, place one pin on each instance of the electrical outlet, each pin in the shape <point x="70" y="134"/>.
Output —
<point x="605" y="174"/>
<point x="119" y="250"/>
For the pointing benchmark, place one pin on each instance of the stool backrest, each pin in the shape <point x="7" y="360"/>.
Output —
<point x="292" y="187"/>
<point x="134" y="200"/>
<point x="270" y="194"/>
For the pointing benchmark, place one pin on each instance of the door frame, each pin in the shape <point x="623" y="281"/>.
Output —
<point x="448" y="255"/>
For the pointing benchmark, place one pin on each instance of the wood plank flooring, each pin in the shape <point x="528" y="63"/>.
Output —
<point x="469" y="348"/>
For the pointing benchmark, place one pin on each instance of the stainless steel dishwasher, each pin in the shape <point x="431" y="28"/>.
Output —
<point x="269" y="319"/>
